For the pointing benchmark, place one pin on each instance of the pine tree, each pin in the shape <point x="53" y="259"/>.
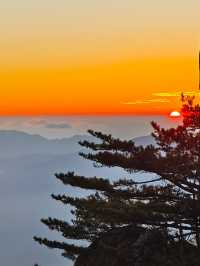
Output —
<point x="169" y="202"/>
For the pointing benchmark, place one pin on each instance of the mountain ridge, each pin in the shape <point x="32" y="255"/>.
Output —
<point x="15" y="143"/>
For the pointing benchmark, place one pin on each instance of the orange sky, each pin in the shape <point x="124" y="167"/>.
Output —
<point x="98" y="58"/>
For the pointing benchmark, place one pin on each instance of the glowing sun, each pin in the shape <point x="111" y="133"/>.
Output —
<point x="175" y="114"/>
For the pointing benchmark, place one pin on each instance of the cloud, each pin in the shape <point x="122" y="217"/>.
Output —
<point x="44" y="123"/>
<point x="58" y="126"/>
<point x="167" y="95"/>
<point x="150" y="101"/>
<point x="176" y="94"/>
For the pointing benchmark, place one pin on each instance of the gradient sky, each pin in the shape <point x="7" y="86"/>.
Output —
<point x="91" y="57"/>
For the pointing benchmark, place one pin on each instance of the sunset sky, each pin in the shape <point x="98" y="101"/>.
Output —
<point x="97" y="57"/>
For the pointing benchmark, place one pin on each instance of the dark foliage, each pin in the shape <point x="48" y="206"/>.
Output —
<point x="148" y="222"/>
<point x="132" y="246"/>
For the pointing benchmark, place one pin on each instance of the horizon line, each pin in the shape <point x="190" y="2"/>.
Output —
<point x="86" y="114"/>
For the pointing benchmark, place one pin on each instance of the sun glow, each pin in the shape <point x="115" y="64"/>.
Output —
<point x="175" y="114"/>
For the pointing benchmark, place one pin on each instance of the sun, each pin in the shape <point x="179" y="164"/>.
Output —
<point x="175" y="114"/>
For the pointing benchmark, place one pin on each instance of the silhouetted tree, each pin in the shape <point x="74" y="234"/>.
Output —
<point x="168" y="203"/>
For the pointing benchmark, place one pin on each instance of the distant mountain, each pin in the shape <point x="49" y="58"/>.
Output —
<point x="15" y="143"/>
<point x="27" y="166"/>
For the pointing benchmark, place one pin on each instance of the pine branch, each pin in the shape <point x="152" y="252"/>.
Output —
<point x="109" y="143"/>
<point x="67" y="230"/>
<point x="70" y="251"/>
<point x="84" y="182"/>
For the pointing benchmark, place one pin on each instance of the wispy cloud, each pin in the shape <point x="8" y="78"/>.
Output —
<point x="175" y="94"/>
<point x="150" y="101"/>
